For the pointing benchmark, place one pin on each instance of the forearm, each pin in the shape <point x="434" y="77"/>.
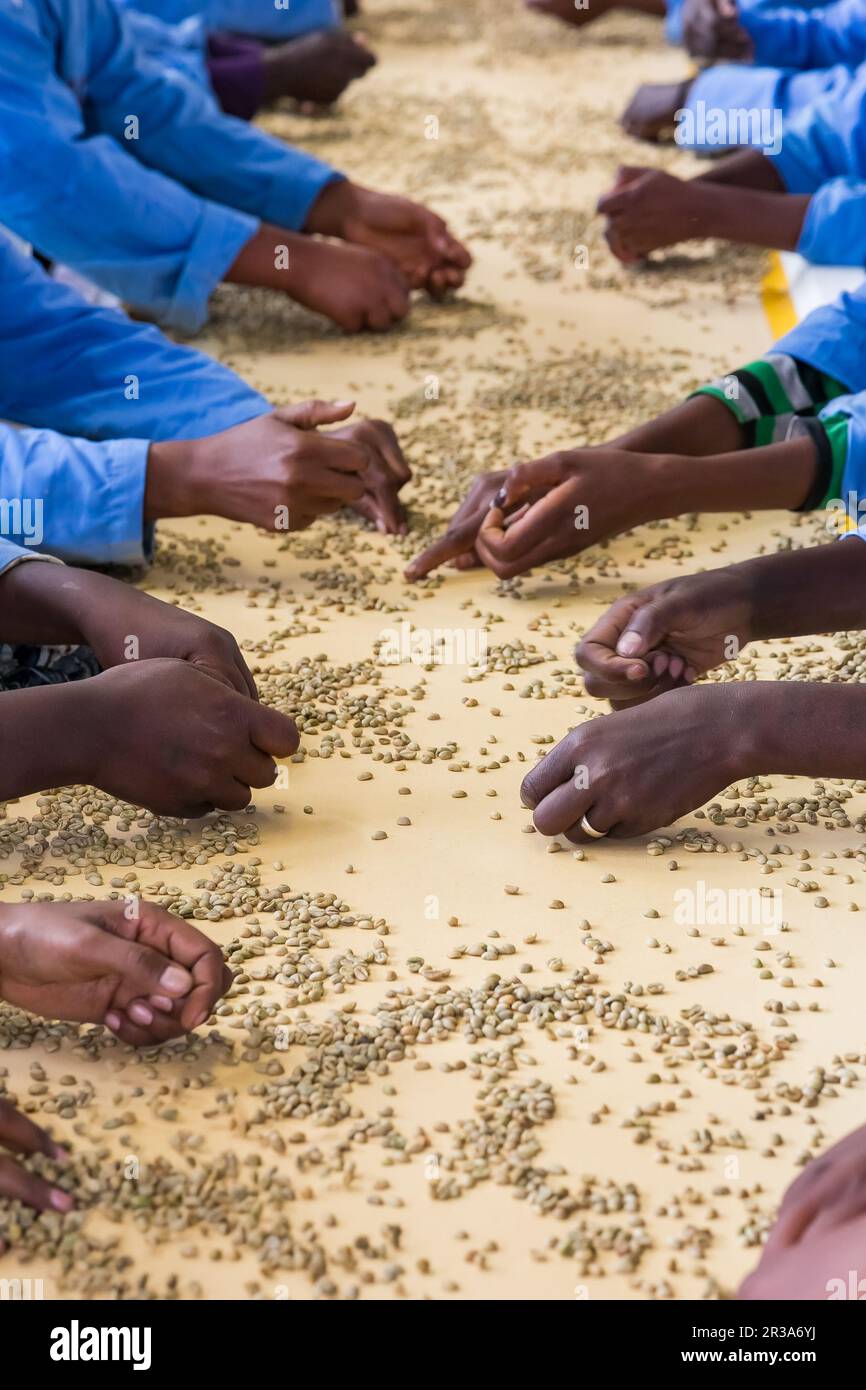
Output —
<point x="800" y="592"/>
<point x="50" y="604"/>
<point x="749" y="216"/>
<point x="45" y="737"/>
<point x="778" y="476"/>
<point x="745" y="169"/>
<point x="696" y="427"/>
<point x="797" y="728"/>
<point x="664" y="485"/>
<point x="267" y="259"/>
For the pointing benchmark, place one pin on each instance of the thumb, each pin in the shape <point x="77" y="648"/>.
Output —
<point x="647" y="628"/>
<point x="613" y="201"/>
<point x="306" y="415"/>
<point x="142" y="971"/>
<point x="272" y="732"/>
<point x="525" y="478"/>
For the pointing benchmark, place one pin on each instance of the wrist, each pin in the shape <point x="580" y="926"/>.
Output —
<point x="50" y="737"/>
<point x="709" y="209"/>
<point x="86" y="725"/>
<point x="743" y="730"/>
<point x="332" y="210"/>
<point x="665" y="486"/>
<point x="43" y="602"/>
<point x="176" y="481"/>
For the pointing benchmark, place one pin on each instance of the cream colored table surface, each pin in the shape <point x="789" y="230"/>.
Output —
<point x="541" y="350"/>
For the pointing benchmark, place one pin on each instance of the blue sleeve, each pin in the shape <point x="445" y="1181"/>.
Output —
<point x="674" y="21"/>
<point x="180" y="46"/>
<point x="825" y="140"/>
<point x="733" y="85"/>
<point x="11" y="555"/>
<point x="80" y="501"/>
<point x="833" y="340"/>
<point x="844" y="422"/>
<point x="82" y="200"/>
<point x="834" y="228"/>
<point x="109" y="377"/>
<point x="181" y="131"/>
<point x="741" y="87"/>
<point x="817" y="38"/>
<point x="272" y="19"/>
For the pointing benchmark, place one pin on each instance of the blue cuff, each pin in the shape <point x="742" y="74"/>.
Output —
<point x="220" y="238"/>
<point x="736" y="85"/>
<point x="95" y="513"/>
<point x="12" y="555"/>
<point x="288" y="201"/>
<point x="834" y="228"/>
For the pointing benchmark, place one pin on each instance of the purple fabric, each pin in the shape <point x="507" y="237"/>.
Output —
<point x="237" y="72"/>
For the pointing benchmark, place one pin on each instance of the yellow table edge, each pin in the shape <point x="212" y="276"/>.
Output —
<point x="776" y="298"/>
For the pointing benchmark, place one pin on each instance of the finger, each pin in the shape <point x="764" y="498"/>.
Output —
<point x="596" y="653"/>
<point x="22" y="1136"/>
<point x="560" y="812"/>
<point x="254" y="768"/>
<point x="442" y="280"/>
<point x="398" y="298"/>
<point x="510" y="569"/>
<point x="537" y="476"/>
<point x="450" y="249"/>
<point x="250" y="687"/>
<point x="648" y="627"/>
<point x="468" y="561"/>
<point x="341" y="488"/>
<point x="557" y="767"/>
<point x="380" y="317"/>
<point x="342" y="451"/>
<point x="307" y="415"/>
<point x="537" y="525"/>
<point x="609" y="677"/>
<point x="232" y="795"/>
<point x="389" y="511"/>
<point x="272" y="732"/>
<point x="389" y="446"/>
<point x="616" y="201"/>
<point x="448" y="547"/>
<point x="621" y="247"/>
<point x="164" y="1028"/>
<point x="196" y="955"/>
<point x="229" y="676"/>
<point x="177" y="943"/>
<point x="139" y="969"/>
<point x="19" y="1185"/>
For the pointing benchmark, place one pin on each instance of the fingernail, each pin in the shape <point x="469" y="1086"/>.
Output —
<point x="201" y="1018"/>
<point x="499" y="499"/>
<point x="161" y="1001"/>
<point x="112" y="1021"/>
<point x="174" y="980"/>
<point x="59" y="1154"/>
<point x="343" y="405"/>
<point x="60" y="1200"/>
<point x="636" y="672"/>
<point x="140" y="1013"/>
<point x="629" y="644"/>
